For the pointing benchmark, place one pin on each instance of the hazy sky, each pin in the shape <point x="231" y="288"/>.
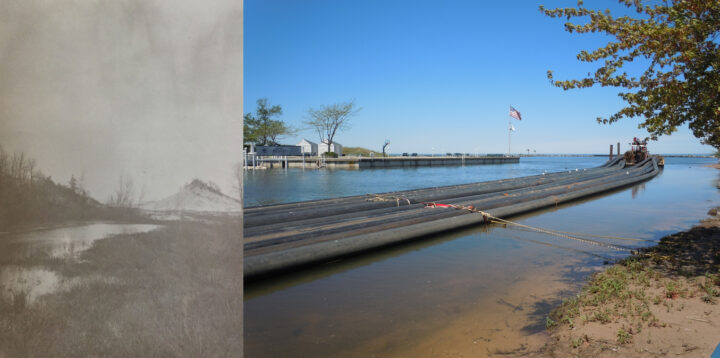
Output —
<point x="436" y="74"/>
<point x="147" y="88"/>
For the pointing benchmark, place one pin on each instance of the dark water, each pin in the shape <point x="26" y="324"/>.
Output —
<point x="471" y="292"/>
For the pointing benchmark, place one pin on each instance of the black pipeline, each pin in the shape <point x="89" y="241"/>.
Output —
<point x="282" y="236"/>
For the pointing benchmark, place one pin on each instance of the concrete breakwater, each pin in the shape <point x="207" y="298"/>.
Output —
<point x="388" y="162"/>
<point x="282" y="236"/>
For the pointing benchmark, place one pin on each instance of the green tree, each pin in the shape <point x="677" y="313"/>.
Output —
<point x="328" y="120"/>
<point x="678" y="41"/>
<point x="249" y="132"/>
<point x="261" y="128"/>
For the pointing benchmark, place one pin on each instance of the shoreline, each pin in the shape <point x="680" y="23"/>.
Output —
<point x="509" y="320"/>
<point x="660" y="301"/>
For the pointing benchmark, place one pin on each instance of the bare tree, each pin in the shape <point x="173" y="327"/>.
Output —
<point x="328" y="120"/>
<point x="30" y="168"/>
<point x="4" y="163"/>
<point x="17" y="167"/>
<point x="4" y="167"/>
<point x="21" y="168"/>
<point x="387" y="143"/>
<point x="123" y="196"/>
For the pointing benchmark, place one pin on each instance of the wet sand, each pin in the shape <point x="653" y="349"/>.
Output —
<point x="508" y="322"/>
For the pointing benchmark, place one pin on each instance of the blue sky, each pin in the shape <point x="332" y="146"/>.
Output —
<point x="435" y="74"/>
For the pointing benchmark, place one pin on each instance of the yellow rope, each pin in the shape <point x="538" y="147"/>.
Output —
<point x="550" y="232"/>
<point x="599" y="236"/>
<point x="494" y="219"/>
<point x="378" y="197"/>
<point x="606" y="258"/>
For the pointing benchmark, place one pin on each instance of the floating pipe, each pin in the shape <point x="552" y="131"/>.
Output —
<point x="263" y="259"/>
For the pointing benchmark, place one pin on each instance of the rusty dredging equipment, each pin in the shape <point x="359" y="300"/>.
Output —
<point x="283" y="236"/>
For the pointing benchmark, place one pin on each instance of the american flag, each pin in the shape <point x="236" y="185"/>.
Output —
<point x="515" y="114"/>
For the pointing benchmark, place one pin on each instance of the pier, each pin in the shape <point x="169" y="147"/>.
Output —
<point x="387" y="162"/>
<point x="283" y="236"/>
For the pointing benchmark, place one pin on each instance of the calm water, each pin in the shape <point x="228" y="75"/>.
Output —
<point x="263" y="187"/>
<point x="67" y="242"/>
<point x="19" y="253"/>
<point x="471" y="292"/>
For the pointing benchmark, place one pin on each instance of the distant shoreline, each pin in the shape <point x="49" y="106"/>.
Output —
<point x="584" y="155"/>
<point x="605" y="155"/>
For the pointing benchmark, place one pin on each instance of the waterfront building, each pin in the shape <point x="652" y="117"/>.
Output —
<point x="336" y="147"/>
<point x="308" y="148"/>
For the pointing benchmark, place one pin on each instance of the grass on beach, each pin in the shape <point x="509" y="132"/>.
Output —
<point x="660" y="301"/>
<point x="359" y="151"/>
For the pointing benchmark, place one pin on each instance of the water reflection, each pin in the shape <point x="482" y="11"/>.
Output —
<point x="68" y="241"/>
<point x="637" y="189"/>
<point x="26" y="283"/>
<point x="22" y="278"/>
<point x="268" y="285"/>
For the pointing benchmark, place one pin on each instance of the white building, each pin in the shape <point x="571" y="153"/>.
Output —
<point x="336" y="147"/>
<point x="308" y="148"/>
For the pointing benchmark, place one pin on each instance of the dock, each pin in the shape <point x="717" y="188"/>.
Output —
<point x="283" y="236"/>
<point x="387" y="162"/>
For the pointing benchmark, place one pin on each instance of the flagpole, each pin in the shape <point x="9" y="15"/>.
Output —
<point x="509" y="133"/>
<point x="513" y="114"/>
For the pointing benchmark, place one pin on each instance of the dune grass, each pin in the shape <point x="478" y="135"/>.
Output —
<point x="173" y="292"/>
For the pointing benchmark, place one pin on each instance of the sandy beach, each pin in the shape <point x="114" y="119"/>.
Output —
<point x="662" y="301"/>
